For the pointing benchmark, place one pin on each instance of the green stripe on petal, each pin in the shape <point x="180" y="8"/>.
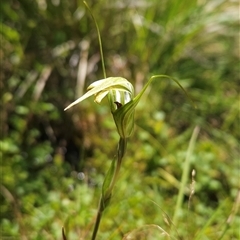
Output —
<point x="118" y="98"/>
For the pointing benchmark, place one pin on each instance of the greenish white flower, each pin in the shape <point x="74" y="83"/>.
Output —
<point x="117" y="85"/>
<point x="122" y="102"/>
<point x="120" y="92"/>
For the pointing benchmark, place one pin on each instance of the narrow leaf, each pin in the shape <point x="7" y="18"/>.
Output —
<point x="106" y="191"/>
<point x="124" y="116"/>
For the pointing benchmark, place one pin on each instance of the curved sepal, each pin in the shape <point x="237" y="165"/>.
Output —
<point x="102" y="87"/>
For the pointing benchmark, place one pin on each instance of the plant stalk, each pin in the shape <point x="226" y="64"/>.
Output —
<point x="107" y="190"/>
<point x="99" y="39"/>
<point x="186" y="169"/>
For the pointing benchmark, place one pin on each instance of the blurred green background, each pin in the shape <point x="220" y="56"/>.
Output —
<point x="53" y="162"/>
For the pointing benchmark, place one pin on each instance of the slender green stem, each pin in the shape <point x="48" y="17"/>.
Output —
<point x="63" y="234"/>
<point x="185" y="174"/>
<point x="99" y="39"/>
<point x="97" y="222"/>
<point x="107" y="190"/>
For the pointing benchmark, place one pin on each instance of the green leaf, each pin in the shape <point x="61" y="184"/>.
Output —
<point x="106" y="190"/>
<point x="124" y="116"/>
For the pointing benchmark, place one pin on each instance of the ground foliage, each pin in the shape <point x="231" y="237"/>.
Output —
<point x="53" y="162"/>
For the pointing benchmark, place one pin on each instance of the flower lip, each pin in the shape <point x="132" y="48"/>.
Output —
<point x="118" y="104"/>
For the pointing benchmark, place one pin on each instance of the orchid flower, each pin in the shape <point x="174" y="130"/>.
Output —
<point x="120" y="92"/>
<point x="122" y="102"/>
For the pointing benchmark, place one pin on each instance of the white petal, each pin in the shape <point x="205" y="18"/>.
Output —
<point x="99" y="96"/>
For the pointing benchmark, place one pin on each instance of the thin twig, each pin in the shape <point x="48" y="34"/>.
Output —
<point x="41" y="82"/>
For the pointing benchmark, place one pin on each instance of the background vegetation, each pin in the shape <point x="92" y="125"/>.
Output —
<point x="53" y="162"/>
